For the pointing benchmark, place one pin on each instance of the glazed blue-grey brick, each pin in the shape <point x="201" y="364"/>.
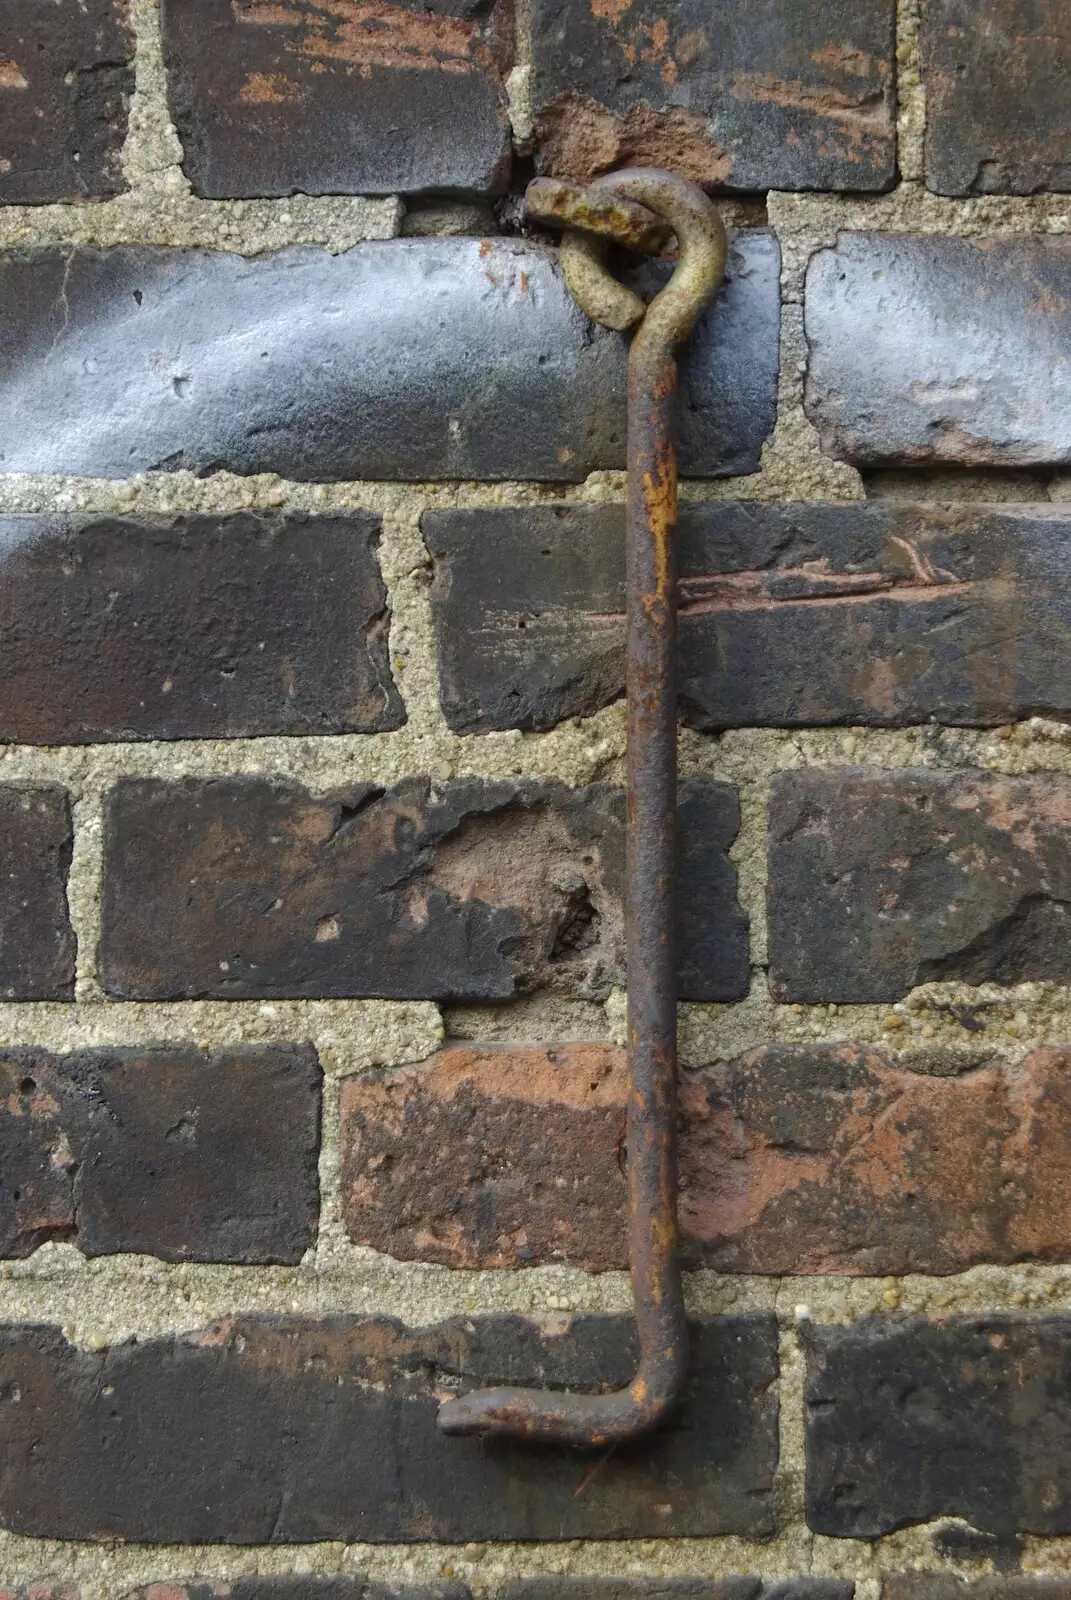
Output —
<point x="930" y="350"/>
<point x="413" y="359"/>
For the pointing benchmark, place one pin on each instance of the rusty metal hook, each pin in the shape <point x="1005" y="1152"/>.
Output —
<point x="636" y="207"/>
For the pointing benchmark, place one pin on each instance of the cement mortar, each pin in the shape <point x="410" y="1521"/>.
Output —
<point x="107" y="1300"/>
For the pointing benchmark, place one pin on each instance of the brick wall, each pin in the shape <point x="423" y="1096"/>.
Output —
<point x="311" y="809"/>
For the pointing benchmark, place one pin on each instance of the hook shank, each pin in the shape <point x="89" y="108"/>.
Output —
<point x="651" y="688"/>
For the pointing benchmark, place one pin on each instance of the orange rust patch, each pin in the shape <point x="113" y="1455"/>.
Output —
<point x="610" y="10"/>
<point x="579" y="139"/>
<point x="264" y="88"/>
<point x="842" y="58"/>
<point x="370" y="33"/>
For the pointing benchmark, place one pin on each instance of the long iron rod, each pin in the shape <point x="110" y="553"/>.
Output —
<point x="651" y="688"/>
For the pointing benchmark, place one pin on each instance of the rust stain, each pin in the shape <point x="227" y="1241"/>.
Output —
<point x="610" y="10"/>
<point x="866" y="114"/>
<point x="842" y="58"/>
<point x="11" y="76"/>
<point x="370" y="33"/>
<point x="788" y="586"/>
<point x="267" y="88"/>
<point x="579" y="139"/>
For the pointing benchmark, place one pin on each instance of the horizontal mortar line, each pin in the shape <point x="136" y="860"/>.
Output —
<point x="110" y="1299"/>
<point x="512" y="755"/>
<point x="794" y="1552"/>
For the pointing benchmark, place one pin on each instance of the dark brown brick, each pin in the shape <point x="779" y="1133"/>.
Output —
<point x="678" y="1589"/>
<point x="883" y="879"/>
<point x="793" y="1159"/>
<point x="300" y="1586"/>
<point x="66" y="77"/>
<point x="931" y="349"/>
<point x="792" y="97"/>
<point x="278" y="1431"/>
<point x="414" y="359"/>
<point x="328" y="97"/>
<point x="947" y="1586"/>
<point x="192" y="627"/>
<point x="909" y="1419"/>
<point x="791" y="615"/>
<point x="244" y="887"/>
<point x="37" y="946"/>
<point x="169" y="1153"/>
<point x="996" y="75"/>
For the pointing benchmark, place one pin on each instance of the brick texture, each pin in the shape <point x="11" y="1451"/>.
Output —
<point x="37" y="947"/>
<point x="238" y="888"/>
<point x="66" y="77"/>
<point x="277" y="1431"/>
<point x="788" y="97"/>
<point x="948" y="1586"/>
<point x="996" y="75"/>
<point x="421" y="358"/>
<point x="192" y="627"/>
<point x="322" y="97"/>
<point x="880" y="880"/>
<point x="793" y="1159"/>
<point x="791" y="615"/>
<point x="931" y="350"/>
<point x="303" y="1586"/>
<point x="677" y="1589"/>
<point x="909" y="1419"/>
<point x="176" y="1154"/>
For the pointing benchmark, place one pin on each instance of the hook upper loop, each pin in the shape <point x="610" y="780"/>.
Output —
<point x="639" y="207"/>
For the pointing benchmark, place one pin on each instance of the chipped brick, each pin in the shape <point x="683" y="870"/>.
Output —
<point x="169" y="1153"/>
<point x="797" y="98"/>
<point x="66" y="77"/>
<point x="339" y="96"/>
<point x="244" y="887"/>
<point x="884" y="879"/>
<point x="928" y="350"/>
<point x="277" y="1431"/>
<point x="192" y="627"/>
<point x="792" y="615"/>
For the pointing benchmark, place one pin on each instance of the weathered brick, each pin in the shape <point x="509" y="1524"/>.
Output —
<point x="883" y="879"/>
<point x="932" y="349"/>
<point x="791" y="615"/>
<point x="66" y="77"/>
<point x="996" y="76"/>
<point x="176" y="1154"/>
<point x="947" y="1586"/>
<point x="792" y="97"/>
<point x="40" y="1591"/>
<point x="909" y="1419"/>
<point x="300" y="1586"/>
<point x="793" y="1159"/>
<point x="325" y="97"/>
<point x="192" y="627"/>
<point x="678" y="1589"/>
<point x="244" y="887"/>
<point x="37" y="946"/>
<point x="422" y="358"/>
<point x="278" y="1431"/>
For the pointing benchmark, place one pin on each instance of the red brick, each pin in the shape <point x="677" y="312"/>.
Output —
<point x="801" y="1159"/>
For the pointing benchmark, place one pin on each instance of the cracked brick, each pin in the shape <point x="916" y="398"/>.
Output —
<point x="795" y="615"/>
